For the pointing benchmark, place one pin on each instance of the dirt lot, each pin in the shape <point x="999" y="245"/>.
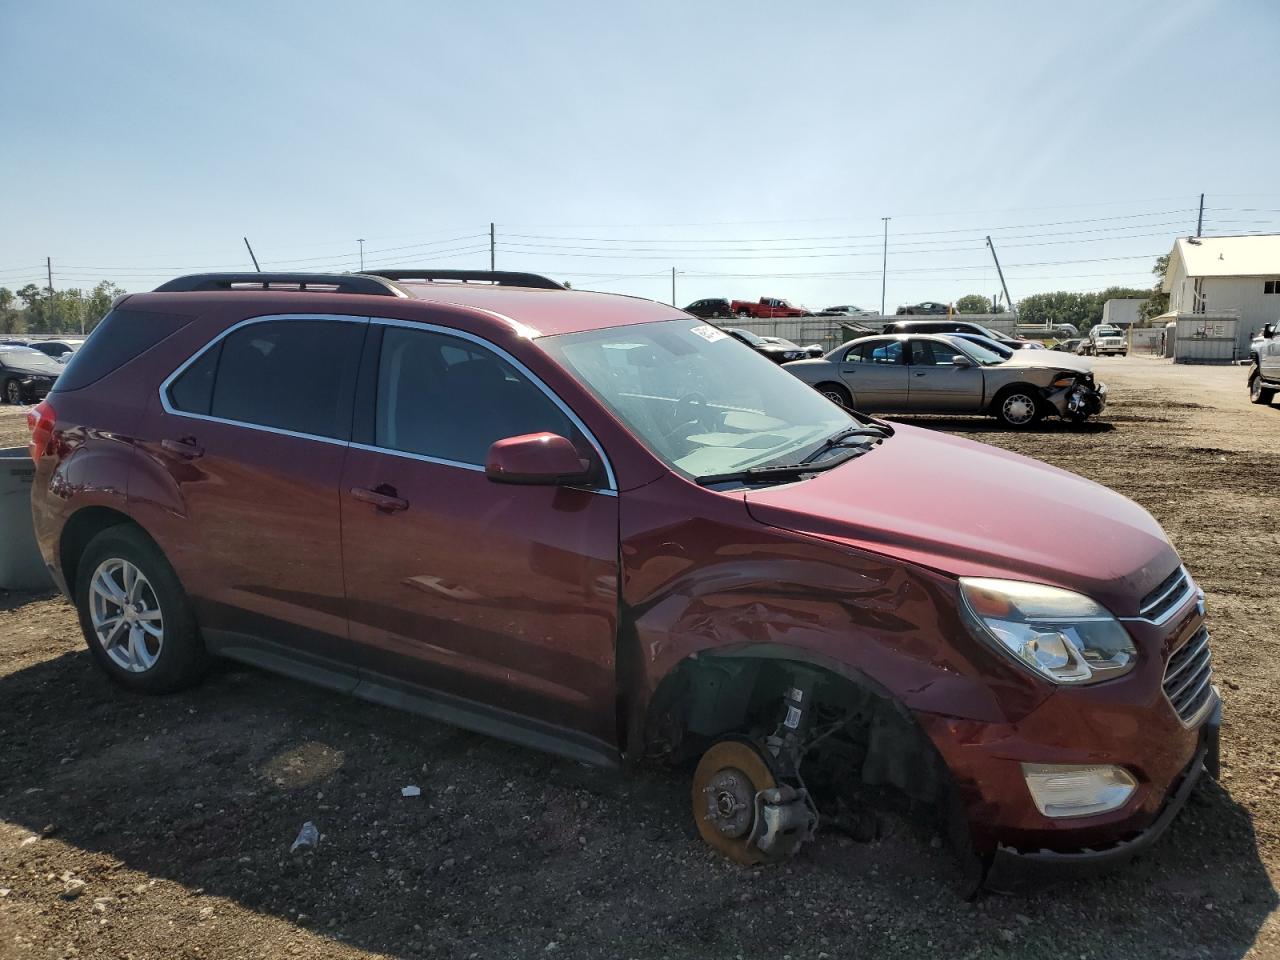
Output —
<point x="160" y="828"/>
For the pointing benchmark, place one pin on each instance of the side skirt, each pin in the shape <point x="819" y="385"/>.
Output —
<point x="435" y="704"/>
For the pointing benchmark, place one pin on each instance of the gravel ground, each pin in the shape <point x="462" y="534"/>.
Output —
<point x="160" y="828"/>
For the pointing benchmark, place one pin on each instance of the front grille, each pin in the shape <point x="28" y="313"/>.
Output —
<point x="1187" y="676"/>
<point x="1167" y="596"/>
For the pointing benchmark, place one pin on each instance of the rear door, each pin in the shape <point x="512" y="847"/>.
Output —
<point x="875" y="372"/>
<point x="252" y="432"/>
<point x="937" y="385"/>
<point x="491" y="605"/>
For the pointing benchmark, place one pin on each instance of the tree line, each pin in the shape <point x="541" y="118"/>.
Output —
<point x="42" y="310"/>
<point x="76" y="311"/>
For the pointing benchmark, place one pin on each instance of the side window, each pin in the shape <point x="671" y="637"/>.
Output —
<point x="446" y="397"/>
<point x="296" y="375"/>
<point x="192" y="392"/>
<point x="931" y="353"/>
<point x="877" y="351"/>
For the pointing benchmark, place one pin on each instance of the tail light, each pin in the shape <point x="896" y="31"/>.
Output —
<point x="40" y="421"/>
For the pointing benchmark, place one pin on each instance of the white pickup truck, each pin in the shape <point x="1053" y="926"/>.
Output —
<point x="1104" y="339"/>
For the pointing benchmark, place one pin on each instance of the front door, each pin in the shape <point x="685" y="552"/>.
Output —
<point x="251" y="435"/>
<point x="487" y="604"/>
<point x="937" y="384"/>
<point x="875" y="372"/>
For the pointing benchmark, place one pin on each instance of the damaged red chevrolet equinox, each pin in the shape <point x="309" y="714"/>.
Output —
<point x="595" y="525"/>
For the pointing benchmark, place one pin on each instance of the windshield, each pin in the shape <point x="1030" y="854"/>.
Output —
<point x="1108" y="331"/>
<point x="696" y="397"/>
<point x="24" y="355"/>
<point x="982" y="342"/>
<point x="748" y="336"/>
<point x="988" y="358"/>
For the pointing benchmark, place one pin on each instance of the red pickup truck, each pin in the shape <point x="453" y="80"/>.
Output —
<point x="767" y="307"/>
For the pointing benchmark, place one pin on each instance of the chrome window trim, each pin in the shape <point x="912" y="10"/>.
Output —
<point x="610" y="478"/>
<point x="249" y="321"/>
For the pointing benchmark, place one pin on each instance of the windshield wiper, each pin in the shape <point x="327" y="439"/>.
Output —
<point x="871" y="432"/>
<point x="781" y="471"/>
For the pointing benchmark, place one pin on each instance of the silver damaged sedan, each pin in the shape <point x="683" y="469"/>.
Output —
<point x="919" y="373"/>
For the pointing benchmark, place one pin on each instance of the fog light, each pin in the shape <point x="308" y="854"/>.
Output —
<point x="1071" y="791"/>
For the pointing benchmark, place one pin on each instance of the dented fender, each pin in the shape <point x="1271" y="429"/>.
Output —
<point x="722" y="582"/>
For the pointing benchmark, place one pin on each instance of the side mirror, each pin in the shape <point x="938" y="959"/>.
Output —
<point x="542" y="459"/>
<point x="1269" y="330"/>
<point x="960" y="360"/>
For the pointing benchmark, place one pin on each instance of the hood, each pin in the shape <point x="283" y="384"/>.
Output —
<point x="33" y="362"/>
<point x="1049" y="360"/>
<point x="969" y="509"/>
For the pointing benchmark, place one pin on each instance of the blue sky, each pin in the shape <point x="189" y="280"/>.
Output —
<point x="752" y="146"/>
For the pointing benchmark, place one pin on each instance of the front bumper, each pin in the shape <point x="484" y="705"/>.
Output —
<point x="36" y="388"/>
<point x="1015" y="870"/>
<point x="1080" y="400"/>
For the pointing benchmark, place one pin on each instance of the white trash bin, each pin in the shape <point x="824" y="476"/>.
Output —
<point x="21" y="567"/>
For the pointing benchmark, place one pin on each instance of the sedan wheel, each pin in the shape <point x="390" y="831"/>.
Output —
<point x="1018" y="409"/>
<point x="126" y="616"/>
<point x="13" y="392"/>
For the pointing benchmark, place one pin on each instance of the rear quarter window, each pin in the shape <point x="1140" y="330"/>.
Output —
<point x="121" y="336"/>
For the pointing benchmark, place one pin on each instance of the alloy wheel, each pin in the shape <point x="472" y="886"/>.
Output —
<point x="126" y="615"/>
<point x="13" y="392"/>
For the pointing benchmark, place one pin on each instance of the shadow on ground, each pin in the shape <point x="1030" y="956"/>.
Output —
<point x="508" y="851"/>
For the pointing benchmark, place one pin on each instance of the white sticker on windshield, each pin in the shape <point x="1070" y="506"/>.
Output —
<point x="709" y="333"/>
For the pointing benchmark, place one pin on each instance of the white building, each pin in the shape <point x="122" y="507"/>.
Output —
<point x="1234" y="276"/>
<point x="1123" y="312"/>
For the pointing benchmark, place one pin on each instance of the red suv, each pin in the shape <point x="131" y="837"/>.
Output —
<point x="598" y="526"/>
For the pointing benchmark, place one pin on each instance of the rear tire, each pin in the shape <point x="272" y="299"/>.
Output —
<point x="1018" y="407"/>
<point x="135" y="616"/>
<point x="13" y="392"/>
<point x="836" y="394"/>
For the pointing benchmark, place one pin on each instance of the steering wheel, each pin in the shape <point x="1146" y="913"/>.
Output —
<point x="692" y="408"/>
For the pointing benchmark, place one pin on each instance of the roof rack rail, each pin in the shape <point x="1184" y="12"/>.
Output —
<point x="333" y="282"/>
<point x="500" y="278"/>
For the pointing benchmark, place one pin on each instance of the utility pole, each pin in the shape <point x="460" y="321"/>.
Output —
<point x="492" y="244"/>
<point x="251" y="255"/>
<point x="673" y="286"/>
<point x="361" y="242"/>
<point x="48" y="263"/>
<point x="1200" y="219"/>
<point x="884" y="267"/>
<point x="1008" y="299"/>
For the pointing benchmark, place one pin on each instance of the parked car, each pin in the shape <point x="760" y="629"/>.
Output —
<point x="767" y="307"/>
<point x="1067" y="346"/>
<point x="848" y="310"/>
<point x="26" y="375"/>
<point x="60" y="350"/>
<point x="713" y="309"/>
<point x="777" y="349"/>
<point x="927" y="308"/>
<point x="921" y="373"/>
<point x="674" y="548"/>
<point x="952" y="326"/>
<point x="1264" y="368"/>
<point x="1105" y="339"/>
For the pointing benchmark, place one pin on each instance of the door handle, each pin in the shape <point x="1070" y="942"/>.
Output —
<point x="383" y="497"/>
<point x="920" y="374"/>
<point x="185" y="447"/>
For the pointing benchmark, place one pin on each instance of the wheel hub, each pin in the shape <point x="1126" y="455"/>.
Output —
<point x="729" y="797"/>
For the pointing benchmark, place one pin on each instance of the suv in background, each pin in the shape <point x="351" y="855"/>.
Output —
<point x="713" y="309"/>
<point x="951" y="326"/>
<point x="1264" y="372"/>
<point x="673" y="548"/>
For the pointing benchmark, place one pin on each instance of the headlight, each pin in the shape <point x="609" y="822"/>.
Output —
<point x="1063" y="636"/>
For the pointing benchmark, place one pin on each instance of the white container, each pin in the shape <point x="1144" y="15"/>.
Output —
<point x="21" y="567"/>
